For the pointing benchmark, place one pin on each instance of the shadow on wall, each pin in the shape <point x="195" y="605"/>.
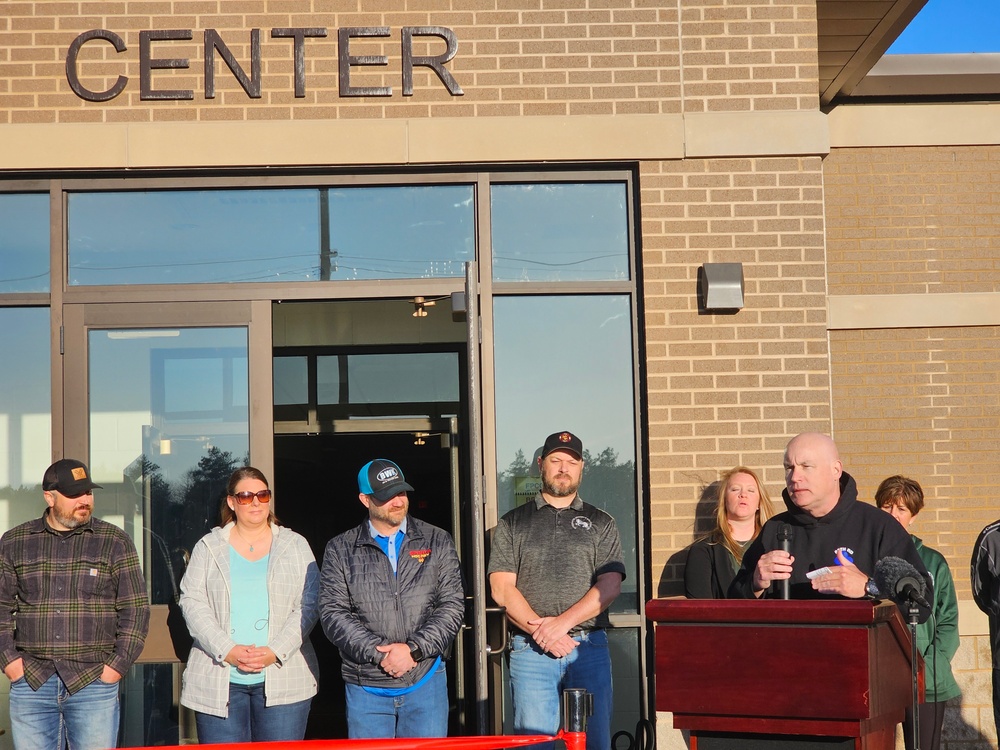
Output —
<point x="671" y="581"/>
<point x="956" y="734"/>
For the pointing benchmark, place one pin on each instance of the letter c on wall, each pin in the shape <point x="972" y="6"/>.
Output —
<point x="71" y="73"/>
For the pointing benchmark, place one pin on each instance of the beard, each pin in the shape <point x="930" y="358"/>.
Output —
<point x="391" y="516"/>
<point x="73" y="520"/>
<point x="560" y="485"/>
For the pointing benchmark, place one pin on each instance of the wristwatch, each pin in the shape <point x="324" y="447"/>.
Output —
<point x="871" y="590"/>
<point x="415" y="653"/>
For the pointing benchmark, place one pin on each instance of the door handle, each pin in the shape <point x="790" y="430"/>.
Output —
<point x="496" y="630"/>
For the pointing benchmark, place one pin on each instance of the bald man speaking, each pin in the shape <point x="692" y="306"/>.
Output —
<point x="834" y="541"/>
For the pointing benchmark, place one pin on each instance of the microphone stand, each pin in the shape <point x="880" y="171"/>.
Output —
<point x="913" y="616"/>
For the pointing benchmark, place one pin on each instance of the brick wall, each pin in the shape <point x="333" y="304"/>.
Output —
<point x="739" y="57"/>
<point x="728" y="389"/>
<point x="913" y="220"/>
<point x="515" y="58"/>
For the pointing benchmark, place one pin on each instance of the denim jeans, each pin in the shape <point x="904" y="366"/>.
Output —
<point x="50" y="717"/>
<point x="537" y="681"/>
<point x="250" y="720"/>
<point x="422" y="713"/>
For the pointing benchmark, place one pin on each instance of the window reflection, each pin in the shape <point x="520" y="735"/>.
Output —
<point x="25" y="429"/>
<point x="401" y="232"/>
<point x="24" y="243"/>
<point x="167" y="427"/>
<point x="573" y="372"/>
<point x="560" y="232"/>
<point x="269" y="235"/>
<point x="193" y="236"/>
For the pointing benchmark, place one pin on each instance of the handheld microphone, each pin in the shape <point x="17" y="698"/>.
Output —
<point x="785" y="537"/>
<point x="900" y="581"/>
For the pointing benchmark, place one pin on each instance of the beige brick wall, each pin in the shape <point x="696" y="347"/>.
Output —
<point x="924" y="402"/>
<point x="515" y="58"/>
<point x="746" y="56"/>
<point x="728" y="389"/>
<point x="913" y="220"/>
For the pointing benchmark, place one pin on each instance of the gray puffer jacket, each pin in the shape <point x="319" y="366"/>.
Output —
<point x="363" y="605"/>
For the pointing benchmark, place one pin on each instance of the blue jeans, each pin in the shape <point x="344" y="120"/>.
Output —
<point x="537" y="681"/>
<point x="422" y="713"/>
<point x="250" y="720"/>
<point x="48" y="718"/>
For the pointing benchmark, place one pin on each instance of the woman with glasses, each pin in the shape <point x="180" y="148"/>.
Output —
<point x="249" y="598"/>
<point x="741" y="508"/>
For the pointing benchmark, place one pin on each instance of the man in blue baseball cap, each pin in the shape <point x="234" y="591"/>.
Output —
<point x="392" y="601"/>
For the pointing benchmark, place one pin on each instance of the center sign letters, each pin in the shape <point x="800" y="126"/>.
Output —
<point x="252" y="83"/>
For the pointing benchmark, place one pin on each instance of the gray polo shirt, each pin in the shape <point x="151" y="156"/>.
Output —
<point x="557" y="553"/>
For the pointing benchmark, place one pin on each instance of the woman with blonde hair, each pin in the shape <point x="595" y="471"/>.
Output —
<point x="742" y="508"/>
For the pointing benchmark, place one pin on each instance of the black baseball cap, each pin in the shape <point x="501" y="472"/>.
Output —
<point x="70" y="477"/>
<point x="382" y="479"/>
<point x="563" y="441"/>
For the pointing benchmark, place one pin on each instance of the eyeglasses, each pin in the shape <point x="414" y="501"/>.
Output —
<point x="245" y="498"/>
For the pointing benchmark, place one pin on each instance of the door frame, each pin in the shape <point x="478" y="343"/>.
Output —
<point x="81" y="318"/>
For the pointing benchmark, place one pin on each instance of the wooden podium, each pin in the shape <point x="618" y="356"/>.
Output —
<point x="783" y="674"/>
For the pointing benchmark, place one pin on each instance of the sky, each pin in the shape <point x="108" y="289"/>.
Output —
<point x="950" y="26"/>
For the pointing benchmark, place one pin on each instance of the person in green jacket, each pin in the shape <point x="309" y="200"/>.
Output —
<point x="937" y="638"/>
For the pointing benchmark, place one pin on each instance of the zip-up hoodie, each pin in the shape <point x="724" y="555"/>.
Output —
<point x="292" y="591"/>
<point x="864" y="532"/>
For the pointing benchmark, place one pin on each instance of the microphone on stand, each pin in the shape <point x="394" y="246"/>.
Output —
<point x="897" y="579"/>
<point x="785" y="537"/>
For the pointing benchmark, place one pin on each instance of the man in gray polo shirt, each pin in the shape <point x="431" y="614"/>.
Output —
<point x="556" y="565"/>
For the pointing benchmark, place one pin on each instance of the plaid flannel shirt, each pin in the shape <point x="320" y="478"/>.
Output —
<point x="70" y="603"/>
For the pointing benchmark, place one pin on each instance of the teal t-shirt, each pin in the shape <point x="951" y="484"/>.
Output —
<point x="248" y="608"/>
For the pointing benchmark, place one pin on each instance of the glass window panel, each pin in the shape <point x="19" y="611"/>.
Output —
<point x="590" y="339"/>
<point x="24" y="243"/>
<point x="25" y="428"/>
<point x="560" y="232"/>
<point x="328" y="380"/>
<point x="403" y="378"/>
<point x="167" y="427"/>
<point x="193" y="236"/>
<point x="25" y="413"/>
<point x="291" y="381"/>
<point x="401" y="232"/>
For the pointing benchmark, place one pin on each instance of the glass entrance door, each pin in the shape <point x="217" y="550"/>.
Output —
<point x="159" y="405"/>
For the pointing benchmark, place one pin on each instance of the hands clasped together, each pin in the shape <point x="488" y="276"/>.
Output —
<point x="251" y="659"/>
<point x="552" y="636"/>
<point x="397" y="661"/>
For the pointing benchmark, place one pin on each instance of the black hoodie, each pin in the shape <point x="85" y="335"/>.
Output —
<point x="866" y="533"/>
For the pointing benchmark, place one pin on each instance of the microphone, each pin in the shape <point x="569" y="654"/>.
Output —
<point x="900" y="581"/>
<point x="785" y="537"/>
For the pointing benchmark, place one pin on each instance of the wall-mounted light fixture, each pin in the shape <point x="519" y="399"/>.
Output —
<point x="720" y="287"/>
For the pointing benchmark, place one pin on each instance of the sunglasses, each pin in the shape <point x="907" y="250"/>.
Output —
<point x="245" y="498"/>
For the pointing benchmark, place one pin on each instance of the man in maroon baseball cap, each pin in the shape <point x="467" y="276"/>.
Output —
<point x="556" y="565"/>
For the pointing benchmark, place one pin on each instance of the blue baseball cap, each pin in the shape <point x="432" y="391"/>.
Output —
<point x="382" y="479"/>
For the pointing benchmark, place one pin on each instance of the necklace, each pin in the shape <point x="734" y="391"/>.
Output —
<point x="250" y="544"/>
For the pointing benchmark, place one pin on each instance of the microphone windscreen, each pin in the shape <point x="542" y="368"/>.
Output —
<point x="890" y="570"/>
